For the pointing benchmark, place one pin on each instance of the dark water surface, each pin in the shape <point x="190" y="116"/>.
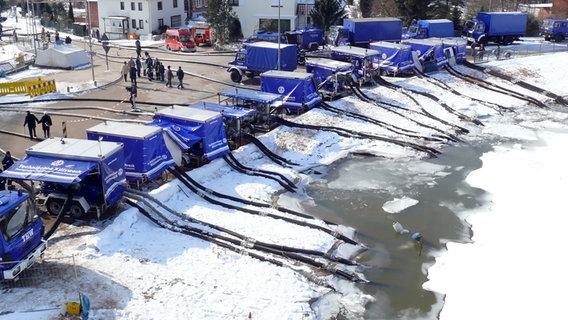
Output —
<point x="353" y="192"/>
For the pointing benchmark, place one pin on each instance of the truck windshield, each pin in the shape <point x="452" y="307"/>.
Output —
<point x="16" y="220"/>
<point x="548" y="23"/>
<point x="470" y="25"/>
<point x="186" y="38"/>
<point x="413" y="29"/>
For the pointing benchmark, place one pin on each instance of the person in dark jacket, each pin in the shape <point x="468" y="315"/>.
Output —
<point x="7" y="162"/>
<point x="162" y="72"/>
<point x="45" y="124"/>
<point x="138" y="66"/>
<point x="31" y="121"/>
<point x="133" y="74"/>
<point x="180" y="74"/>
<point x="138" y="49"/>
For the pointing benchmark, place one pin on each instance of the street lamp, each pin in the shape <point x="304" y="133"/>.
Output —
<point x="90" y="41"/>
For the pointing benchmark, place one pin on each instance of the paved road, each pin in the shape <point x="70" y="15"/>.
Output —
<point x="111" y="86"/>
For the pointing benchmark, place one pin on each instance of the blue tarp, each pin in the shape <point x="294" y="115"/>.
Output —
<point x="47" y="169"/>
<point x="394" y="57"/>
<point x="298" y="88"/>
<point x="229" y="112"/>
<point x="253" y="95"/>
<point x="425" y="46"/>
<point x="325" y="68"/>
<point x="144" y="158"/>
<point x="263" y="56"/>
<point x="211" y="133"/>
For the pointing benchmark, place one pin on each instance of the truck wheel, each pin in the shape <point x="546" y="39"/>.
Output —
<point x="558" y="38"/>
<point x="236" y="76"/>
<point x="53" y="206"/>
<point x="168" y="47"/>
<point x="76" y="210"/>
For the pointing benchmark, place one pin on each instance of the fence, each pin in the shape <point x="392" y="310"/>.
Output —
<point x="31" y="87"/>
<point x="524" y="49"/>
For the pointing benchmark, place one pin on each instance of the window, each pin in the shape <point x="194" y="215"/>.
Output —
<point x="132" y="6"/>
<point x="175" y="3"/>
<point x="139" y="6"/>
<point x="141" y="24"/>
<point x="133" y="23"/>
<point x="175" y="21"/>
<point x="234" y="3"/>
<point x="16" y="220"/>
<point x="160" y="5"/>
<point x="121" y="5"/>
<point x="160" y="22"/>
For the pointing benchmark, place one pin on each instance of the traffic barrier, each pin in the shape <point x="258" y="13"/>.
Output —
<point x="31" y="87"/>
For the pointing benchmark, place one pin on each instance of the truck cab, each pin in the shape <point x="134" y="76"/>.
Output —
<point x="422" y="29"/>
<point x="554" y="29"/>
<point x="21" y="239"/>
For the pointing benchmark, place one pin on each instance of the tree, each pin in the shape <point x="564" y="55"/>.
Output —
<point x="219" y="14"/>
<point x="413" y="9"/>
<point x="366" y="7"/>
<point x="326" y="13"/>
<point x="71" y="15"/>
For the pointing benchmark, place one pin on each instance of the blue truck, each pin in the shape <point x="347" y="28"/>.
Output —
<point x="495" y="27"/>
<point x="92" y="172"/>
<point x="298" y="88"/>
<point x="258" y="57"/>
<point x="21" y="242"/>
<point x="394" y="58"/>
<point x="434" y="28"/>
<point x="362" y="31"/>
<point x="554" y="29"/>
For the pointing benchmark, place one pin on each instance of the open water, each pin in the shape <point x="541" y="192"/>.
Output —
<point x="353" y="191"/>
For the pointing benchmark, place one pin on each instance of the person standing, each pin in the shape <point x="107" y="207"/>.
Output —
<point x="150" y="68"/>
<point x="180" y="74"/>
<point x="7" y="162"/>
<point x="133" y="74"/>
<point x="138" y="66"/>
<point x="162" y="72"/>
<point x="133" y="93"/>
<point x="138" y="49"/>
<point x="125" y="71"/>
<point x="31" y="121"/>
<point x="45" y="124"/>
<point x="169" y="76"/>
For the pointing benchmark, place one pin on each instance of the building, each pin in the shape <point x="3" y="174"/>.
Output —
<point x="257" y="15"/>
<point x="139" y="18"/>
<point x="142" y="18"/>
<point x="560" y="9"/>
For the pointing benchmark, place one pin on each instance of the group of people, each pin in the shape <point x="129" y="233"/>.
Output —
<point x="31" y="121"/>
<point x="151" y="67"/>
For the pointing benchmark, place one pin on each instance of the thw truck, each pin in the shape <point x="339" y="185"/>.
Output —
<point x="497" y="27"/>
<point x="362" y="31"/>
<point x="21" y="239"/>
<point x="258" y="57"/>
<point x="422" y="29"/>
<point x="554" y="29"/>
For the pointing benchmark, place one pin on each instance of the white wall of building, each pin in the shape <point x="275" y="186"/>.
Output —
<point x="251" y="11"/>
<point x="149" y="15"/>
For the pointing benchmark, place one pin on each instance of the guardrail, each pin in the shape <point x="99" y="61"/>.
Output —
<point x="31" y="87"/>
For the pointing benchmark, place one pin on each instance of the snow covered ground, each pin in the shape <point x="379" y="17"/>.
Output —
<point x="131" y="269"/>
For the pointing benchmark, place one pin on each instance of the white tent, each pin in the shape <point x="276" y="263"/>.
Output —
<point x="66" y="56"/>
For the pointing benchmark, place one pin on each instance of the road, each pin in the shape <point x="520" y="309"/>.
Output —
<point x="111" y="86"/>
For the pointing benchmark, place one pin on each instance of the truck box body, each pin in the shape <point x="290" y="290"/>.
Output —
<point x="362" y="31"/>
<point x="96" y="165"/>
<point x="394" y="58"/>
<point x="364" y="62"/>
<point x="458" y="46"/>
<point x="503" y="23"/>
<point x="145" y="152"/>
<point x="298" y="88"/>
<point x="421" y="29"/>
<point x="188" y="126"/>
<point x="263" y="56"/>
